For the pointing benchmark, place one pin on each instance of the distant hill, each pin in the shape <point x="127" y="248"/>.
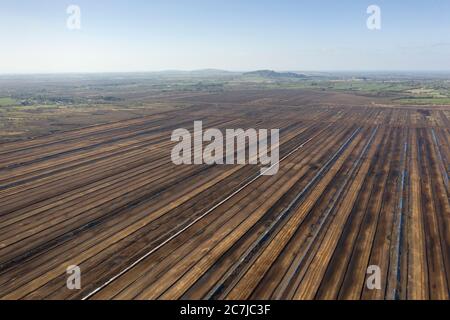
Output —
<point x="275" y="75"/>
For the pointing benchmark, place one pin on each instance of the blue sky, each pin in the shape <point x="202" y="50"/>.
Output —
<point x="148" y="35"/>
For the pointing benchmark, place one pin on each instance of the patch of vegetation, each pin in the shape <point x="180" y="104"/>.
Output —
<point x="424" y="101"/>
<point x="7" y="101"/>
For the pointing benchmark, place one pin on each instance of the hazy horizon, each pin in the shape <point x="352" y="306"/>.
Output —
<point x="140" y="36"/>
<point x="167" y="71"/>
<point x="212" y="70"/>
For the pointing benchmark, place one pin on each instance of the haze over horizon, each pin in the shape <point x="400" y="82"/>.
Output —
<point x="287" y="35"/>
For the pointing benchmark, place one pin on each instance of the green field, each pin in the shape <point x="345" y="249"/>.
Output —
<point x="425" y="101"/>
<point x="7" y="101"/>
